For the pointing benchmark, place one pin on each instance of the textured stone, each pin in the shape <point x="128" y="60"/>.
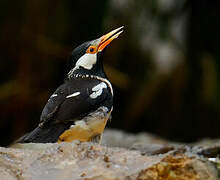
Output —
<point x="88" y="161"/>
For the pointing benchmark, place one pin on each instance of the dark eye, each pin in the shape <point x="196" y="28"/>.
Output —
<point x="91" y="50"/>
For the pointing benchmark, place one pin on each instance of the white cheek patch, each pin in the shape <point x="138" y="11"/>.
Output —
<point x="86" y="61"/>
<point x="72" y="95"/>
<point x="97" y="90"/>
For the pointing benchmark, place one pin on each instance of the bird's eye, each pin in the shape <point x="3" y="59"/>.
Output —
<point x="91" y="50"/>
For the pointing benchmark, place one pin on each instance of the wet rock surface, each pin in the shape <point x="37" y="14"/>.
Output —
<point x="120" y="156"/>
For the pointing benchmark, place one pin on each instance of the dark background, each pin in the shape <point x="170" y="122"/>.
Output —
<point x="164" y="68"/>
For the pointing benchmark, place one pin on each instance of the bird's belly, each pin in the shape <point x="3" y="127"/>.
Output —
<point x="86" y="129"/>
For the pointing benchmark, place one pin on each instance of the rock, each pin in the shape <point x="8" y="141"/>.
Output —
<point x="116" y="138"/>
<point x="179" y="167"/>
<point x="140" y="158"/>
<point x="74" y="161"/>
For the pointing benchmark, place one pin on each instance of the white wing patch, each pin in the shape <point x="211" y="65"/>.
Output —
<point x="97" y="90"/>
<point x="72" y="95"/>
<point x="53" y="95"/>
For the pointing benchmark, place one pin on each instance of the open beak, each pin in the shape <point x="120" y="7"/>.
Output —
<point x="109" y="37"/>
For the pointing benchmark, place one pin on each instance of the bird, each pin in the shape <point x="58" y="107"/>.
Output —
<point x="80" y="107"/>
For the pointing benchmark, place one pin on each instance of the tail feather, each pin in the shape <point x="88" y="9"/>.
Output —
<point x="44" y="134"/>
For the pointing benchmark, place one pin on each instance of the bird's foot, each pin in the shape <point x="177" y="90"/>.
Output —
<point x="97" y="138"/>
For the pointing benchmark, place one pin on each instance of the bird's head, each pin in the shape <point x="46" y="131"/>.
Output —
<point x="87" y="58"/>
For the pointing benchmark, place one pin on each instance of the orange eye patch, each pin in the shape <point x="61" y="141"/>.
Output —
<point x="92" y="50"/>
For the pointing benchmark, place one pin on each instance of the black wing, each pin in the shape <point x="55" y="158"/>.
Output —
<point x="72" y="101"/>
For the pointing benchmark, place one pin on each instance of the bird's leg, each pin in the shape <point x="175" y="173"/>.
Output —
<point x="97" y="138"/>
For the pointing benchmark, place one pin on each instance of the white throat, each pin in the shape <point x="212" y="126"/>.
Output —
<point x="86" y="61"/>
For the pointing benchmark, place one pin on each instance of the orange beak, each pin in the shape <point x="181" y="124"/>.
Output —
<point x="109" y="37"/>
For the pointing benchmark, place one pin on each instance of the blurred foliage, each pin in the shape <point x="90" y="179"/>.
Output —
<point x="164" y="68"/>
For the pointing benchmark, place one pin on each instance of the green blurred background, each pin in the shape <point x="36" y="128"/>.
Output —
<point x="164" y="68"/>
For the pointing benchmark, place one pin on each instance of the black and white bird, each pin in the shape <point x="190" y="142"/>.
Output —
<point x="80" y="108"/>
